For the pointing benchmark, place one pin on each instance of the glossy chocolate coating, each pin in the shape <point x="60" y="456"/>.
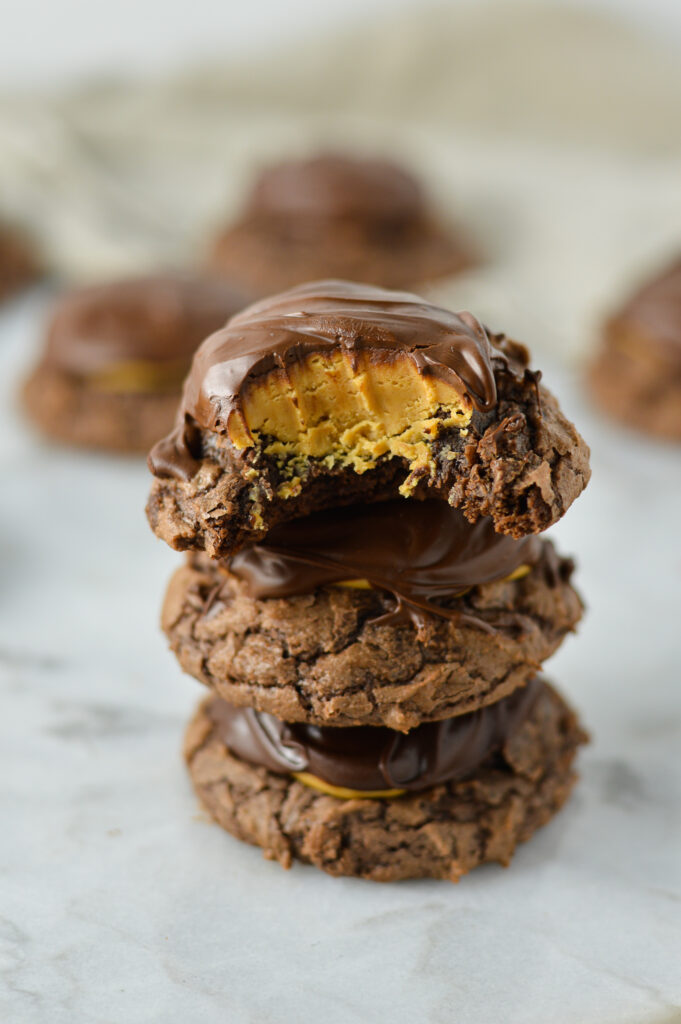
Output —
<point x="334" y="187"/>
<point x="319" y="317"/>
<point x="159" y="319"/>
<point x="370" y="757"/>
<point x="422" y="552"/>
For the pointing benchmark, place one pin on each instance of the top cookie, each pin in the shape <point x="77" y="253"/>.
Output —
<point x="337" y="216"/>
<point x="336" y="392"/>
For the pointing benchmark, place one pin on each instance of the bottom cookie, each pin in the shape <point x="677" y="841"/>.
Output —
<point x="440" y="832"/>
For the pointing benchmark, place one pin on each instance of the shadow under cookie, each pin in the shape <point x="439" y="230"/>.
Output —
<point x="441" y="832"/>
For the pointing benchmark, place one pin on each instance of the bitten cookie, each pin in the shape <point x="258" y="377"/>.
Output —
<point x="116" y="355"/>
<point x="522" y="776"/>
<point x="388" y="614"/>
<point x="337" y="216"/>
<point x="335" y="393"/>
<point x="19" y="264"/>
<point x="636" y="378"/>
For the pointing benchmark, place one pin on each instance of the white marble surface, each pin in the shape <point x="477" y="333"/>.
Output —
<point x="119" y="902"/>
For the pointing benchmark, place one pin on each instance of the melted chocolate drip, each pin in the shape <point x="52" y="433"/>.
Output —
<point x="324" y="316"/>
<point x="421" y="552"/>
<point x="370" y="757"/>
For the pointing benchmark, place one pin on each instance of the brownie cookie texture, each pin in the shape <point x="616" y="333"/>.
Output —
<point x="334" y="393"/>
<point x="334" y="216"/>
<point x="116" y="354"/>
<point x="19" y="264"/>
<point x="636" y="377"/>
<point x="440" y="832"/>
<point x="323" y="658"/>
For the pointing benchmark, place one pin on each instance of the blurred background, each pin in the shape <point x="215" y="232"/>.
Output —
<point x="147" y="36"/>
<point x="128" y="134"/>
<point x="550" y="134"/>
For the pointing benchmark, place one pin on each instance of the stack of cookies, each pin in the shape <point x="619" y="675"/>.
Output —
<point x="359" y="479"/>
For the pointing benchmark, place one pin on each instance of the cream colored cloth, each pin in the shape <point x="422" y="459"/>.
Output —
<point x="553" y="137"/>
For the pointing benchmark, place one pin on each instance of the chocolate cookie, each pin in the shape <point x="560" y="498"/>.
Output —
<point x="19" y="265"/>
<point x="636" y="378"/>
<point x="335" y="393"/>
<point x="335" y="216"/>
<point x="523" y="777"/>
<point x="116" y="355"/>
<point x="365" y="654"/>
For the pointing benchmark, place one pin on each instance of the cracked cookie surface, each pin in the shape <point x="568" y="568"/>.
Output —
<point x="522" y="464"/>
<point x="319" y="658"/>
<point x="442" y="832"/>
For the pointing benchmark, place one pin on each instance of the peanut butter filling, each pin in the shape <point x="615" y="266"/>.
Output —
<point x="139" y="377"/>
<point x="338" y="373"/>
<point x="343" y="792"/>
<point x="349" y="411"/>
<point x="517" y="574"/>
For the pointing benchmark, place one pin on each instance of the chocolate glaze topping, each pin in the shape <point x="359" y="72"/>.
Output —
<point x="334" y="187"/>
<point x="159" y="319"/>
<point x="421" y="552"/>
<point x="374" y="757"/>
<point x="323" y="316"/>
<point x="656" y="310"/>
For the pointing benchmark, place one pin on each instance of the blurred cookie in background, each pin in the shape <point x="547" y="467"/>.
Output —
<point x="636" y="377"/>
<point x="19" y="262"/>
<point x="116" y="354"/>
<point x="334" y="216"/>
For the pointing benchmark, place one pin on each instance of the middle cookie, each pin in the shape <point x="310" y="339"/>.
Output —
<point x="391" y="614"/>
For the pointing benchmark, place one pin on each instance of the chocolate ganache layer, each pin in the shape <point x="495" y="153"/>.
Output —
<point x="422" y="552"/>
<point x="159" y="319"/>
<point x="374" y="758"/>
<point x="324" y="317"/>
<point x="335" y="187"/>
